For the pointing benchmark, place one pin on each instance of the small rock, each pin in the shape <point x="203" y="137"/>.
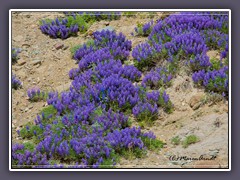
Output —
<point x="26" y="45"/>
<point x="107" y="23"/>
<point x="59" y="46"/>
<point x="35" y="62"/>
<point x="109" y="28"/>
<point x="21" y="62"/>
<point x="196" y="106"/>
<point x="26" y="110"/>
<point x="29" y="79"/>
<point x="195" y="99"/>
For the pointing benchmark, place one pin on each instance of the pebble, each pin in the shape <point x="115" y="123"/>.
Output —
<point x="107" y="23"/>
<point x="196" y="106"/>
<point x="59" y="46"/>
<point x="29" y="79"/>
<point x="35" y="62"/>
<point x="21" y="62"/>
<point x="110" y="28"/>
<point x="26" y="45"/>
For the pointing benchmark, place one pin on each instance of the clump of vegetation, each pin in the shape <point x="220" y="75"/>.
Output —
<point x="15" y="52"/>
<point x="129" y="14"/>
<point x="144" y="29"/>
<point x="176" y="140"/>
<point x="191" y="139"/>
<point x="16" y="83"/>
<point x="36" y="95"/>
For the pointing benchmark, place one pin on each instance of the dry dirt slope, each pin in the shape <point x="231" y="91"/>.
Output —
<point x="41" y="65"/>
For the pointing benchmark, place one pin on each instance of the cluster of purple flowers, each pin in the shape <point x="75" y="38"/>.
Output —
<point x="187" y="33"/>
<point x="16" y="83"/>
<point x="145" y="29"/>
<point x="59" y="28"/>
<point x="156" y="78"/>
<point x="90" y="124"/>
<point x="145" y="111"/>
<point x="215" y="80"/>
<point x="118" y="45"/>
<point x="26" y="158"/>
<point x="147" y="55"/>
<point x="34" y="94"/>
<point x="185" y="37"/>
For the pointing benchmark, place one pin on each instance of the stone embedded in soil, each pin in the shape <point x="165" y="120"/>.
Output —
<point x="110" y="28"/>
<point x="59" y="46"/>
<point x="35" y="62"/>
<point x="26" y="45"/>
<point x="195" y="99"/>
<point x="196" y="106"/>
<point x="21" y="62"/>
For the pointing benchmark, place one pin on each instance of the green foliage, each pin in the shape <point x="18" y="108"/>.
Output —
<point x="14" y="55"/>
<point x="146" y="118"/>
<point x="49" y="110"/>
<point x="29" y="129"/>
<point x="47" y="21"/>
<point x="39" y="97"/>
<point x="75" y="48"/>
<point x="129" y="14"/>
<point x="140" y="30"/>
<point x="132" y="153"/>
<point x="151" y="60"/>
<point x="211" y="98"/>
<point x="54" y="161"/>
<point x="216" y="64"/>
<point x="191" y="139"/>
<point x="167" y="107"/>
<point x="216" y="85"/>
<point x="27" y="146"/>
<point x="108" y="162"/>
<point x="176" y="140"/>
<point x="152" y="144"/>
<point x="80" y="21"/>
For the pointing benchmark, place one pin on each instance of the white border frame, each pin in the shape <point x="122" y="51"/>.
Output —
<point x="122" y="10"/>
